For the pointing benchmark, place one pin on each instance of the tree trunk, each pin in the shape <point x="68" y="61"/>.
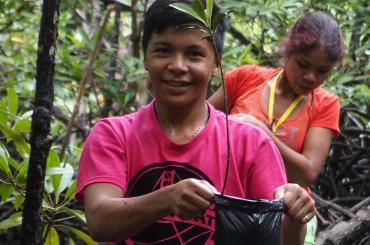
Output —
<point x="40" y="140"/>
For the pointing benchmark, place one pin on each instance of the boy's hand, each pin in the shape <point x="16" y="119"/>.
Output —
<point x="190" y="198"/>
<point x="298" y="203"/>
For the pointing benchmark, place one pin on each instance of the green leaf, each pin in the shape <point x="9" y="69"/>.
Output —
<point x="82" y="235"/>
<point x="12" y="221"/>
<point x="52" y="237"/>
<point x="13" y="163"/>
<point x="18" y="201"/>
<point x="186" y="9"/>
<point x="71" y="191"/>
<point x="12" y="101"/>
<point x="216" y="20"/>
<point x="4" y="156"/>
<point x="9" y="83"/>
<point x="27" y="114"/>
<point x="56" y="128"/>
<point x="198" y="7"/>
<point x="6" y="60"/>
<point x="77" y="213"/>
<point x="209" y="4"/>
<point x="3" y="112"/>
<point x="345" y="79"/>
<point x="61" y="177"/>
<point x="23" y="125"/>
<point x="4" y="166"/>
<point x="124" y="2"/>
<point x="47" y="205"/>
<point x="53" y="158"/>
<point x="66" y="178"/>
<point x="20" y="143"/>
<point x="22" y="175"/>
<point x="71" y="241"/>
<point x="53" y="170"/>
<point x="6" y="190"/>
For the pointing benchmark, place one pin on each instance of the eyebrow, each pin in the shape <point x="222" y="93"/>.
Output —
<point x="303" y="59"/>
<point x="161" y="43"/>
<point x="191" y="47"/>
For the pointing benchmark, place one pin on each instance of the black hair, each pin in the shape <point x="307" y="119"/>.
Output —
<point x="160" y="16"/>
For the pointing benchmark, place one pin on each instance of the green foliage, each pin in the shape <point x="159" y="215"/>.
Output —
<point x="203" y="14"/>
<point x="60" y="186"/>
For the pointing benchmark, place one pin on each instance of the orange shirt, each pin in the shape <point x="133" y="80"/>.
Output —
<point x="244" y="89"/>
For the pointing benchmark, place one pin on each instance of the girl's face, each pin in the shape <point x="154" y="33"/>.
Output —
<point x="308" y="69"/>
<point x="180" y="63"/>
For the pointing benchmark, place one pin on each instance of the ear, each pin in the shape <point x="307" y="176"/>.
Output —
<point x="218" y="63"/>
<point x="216" y="71"/>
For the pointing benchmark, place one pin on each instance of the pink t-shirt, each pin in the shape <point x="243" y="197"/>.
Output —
<point x="134" y="153"/>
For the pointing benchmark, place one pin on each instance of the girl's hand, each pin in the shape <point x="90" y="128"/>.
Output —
<point x="298" y="203"/>
<point x="246" y="118"/>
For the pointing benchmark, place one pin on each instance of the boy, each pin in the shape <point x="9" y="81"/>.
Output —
<point x="149" y="177"/>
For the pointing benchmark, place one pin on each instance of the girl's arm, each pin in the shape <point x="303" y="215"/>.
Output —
<point x="217" y="100"/>
<point x="302" y="168"/>
<point x="299" y="209"/>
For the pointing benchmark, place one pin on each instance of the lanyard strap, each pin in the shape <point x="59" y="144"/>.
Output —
<point x="275" y="125"/>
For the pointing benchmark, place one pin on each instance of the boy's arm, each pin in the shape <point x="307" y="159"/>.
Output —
<point x="112" y="218"/>
<point x="299" y="209"/>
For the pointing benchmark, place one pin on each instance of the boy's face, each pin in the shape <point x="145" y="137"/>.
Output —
<point x="180" y="63"/>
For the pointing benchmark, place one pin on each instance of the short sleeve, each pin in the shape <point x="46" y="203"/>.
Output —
<point x="237" y="81"/>
<point x="268" y="171"/>
<point x="102" y="159"/>
<point x="327" y="113"/>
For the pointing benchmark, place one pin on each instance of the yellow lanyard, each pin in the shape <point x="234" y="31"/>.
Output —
<point x="274" y="125"/>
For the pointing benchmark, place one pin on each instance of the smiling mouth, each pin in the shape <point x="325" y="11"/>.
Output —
<point x="176" y="83"/>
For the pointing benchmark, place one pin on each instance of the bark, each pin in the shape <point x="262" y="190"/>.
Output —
<point x="40" y="140"/>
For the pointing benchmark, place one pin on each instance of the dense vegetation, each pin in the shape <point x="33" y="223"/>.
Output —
<point x="114" y="83"/>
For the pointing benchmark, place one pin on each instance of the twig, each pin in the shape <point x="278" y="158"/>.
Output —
<point x="84" y="81"/>
<point x="336" y="207"/>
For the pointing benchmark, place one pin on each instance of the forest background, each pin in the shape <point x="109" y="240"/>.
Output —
<point x="99" y="72"/>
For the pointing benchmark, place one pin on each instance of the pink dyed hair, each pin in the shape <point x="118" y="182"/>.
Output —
<point x="313" y="30"/>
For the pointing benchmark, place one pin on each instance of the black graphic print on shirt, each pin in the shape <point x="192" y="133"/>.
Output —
<point x="171" y="229"/>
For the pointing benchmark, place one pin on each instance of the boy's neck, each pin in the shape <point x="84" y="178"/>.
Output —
<point x="182" y="124"/>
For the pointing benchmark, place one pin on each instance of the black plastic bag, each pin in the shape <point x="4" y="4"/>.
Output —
<point x="247" y="221"/>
